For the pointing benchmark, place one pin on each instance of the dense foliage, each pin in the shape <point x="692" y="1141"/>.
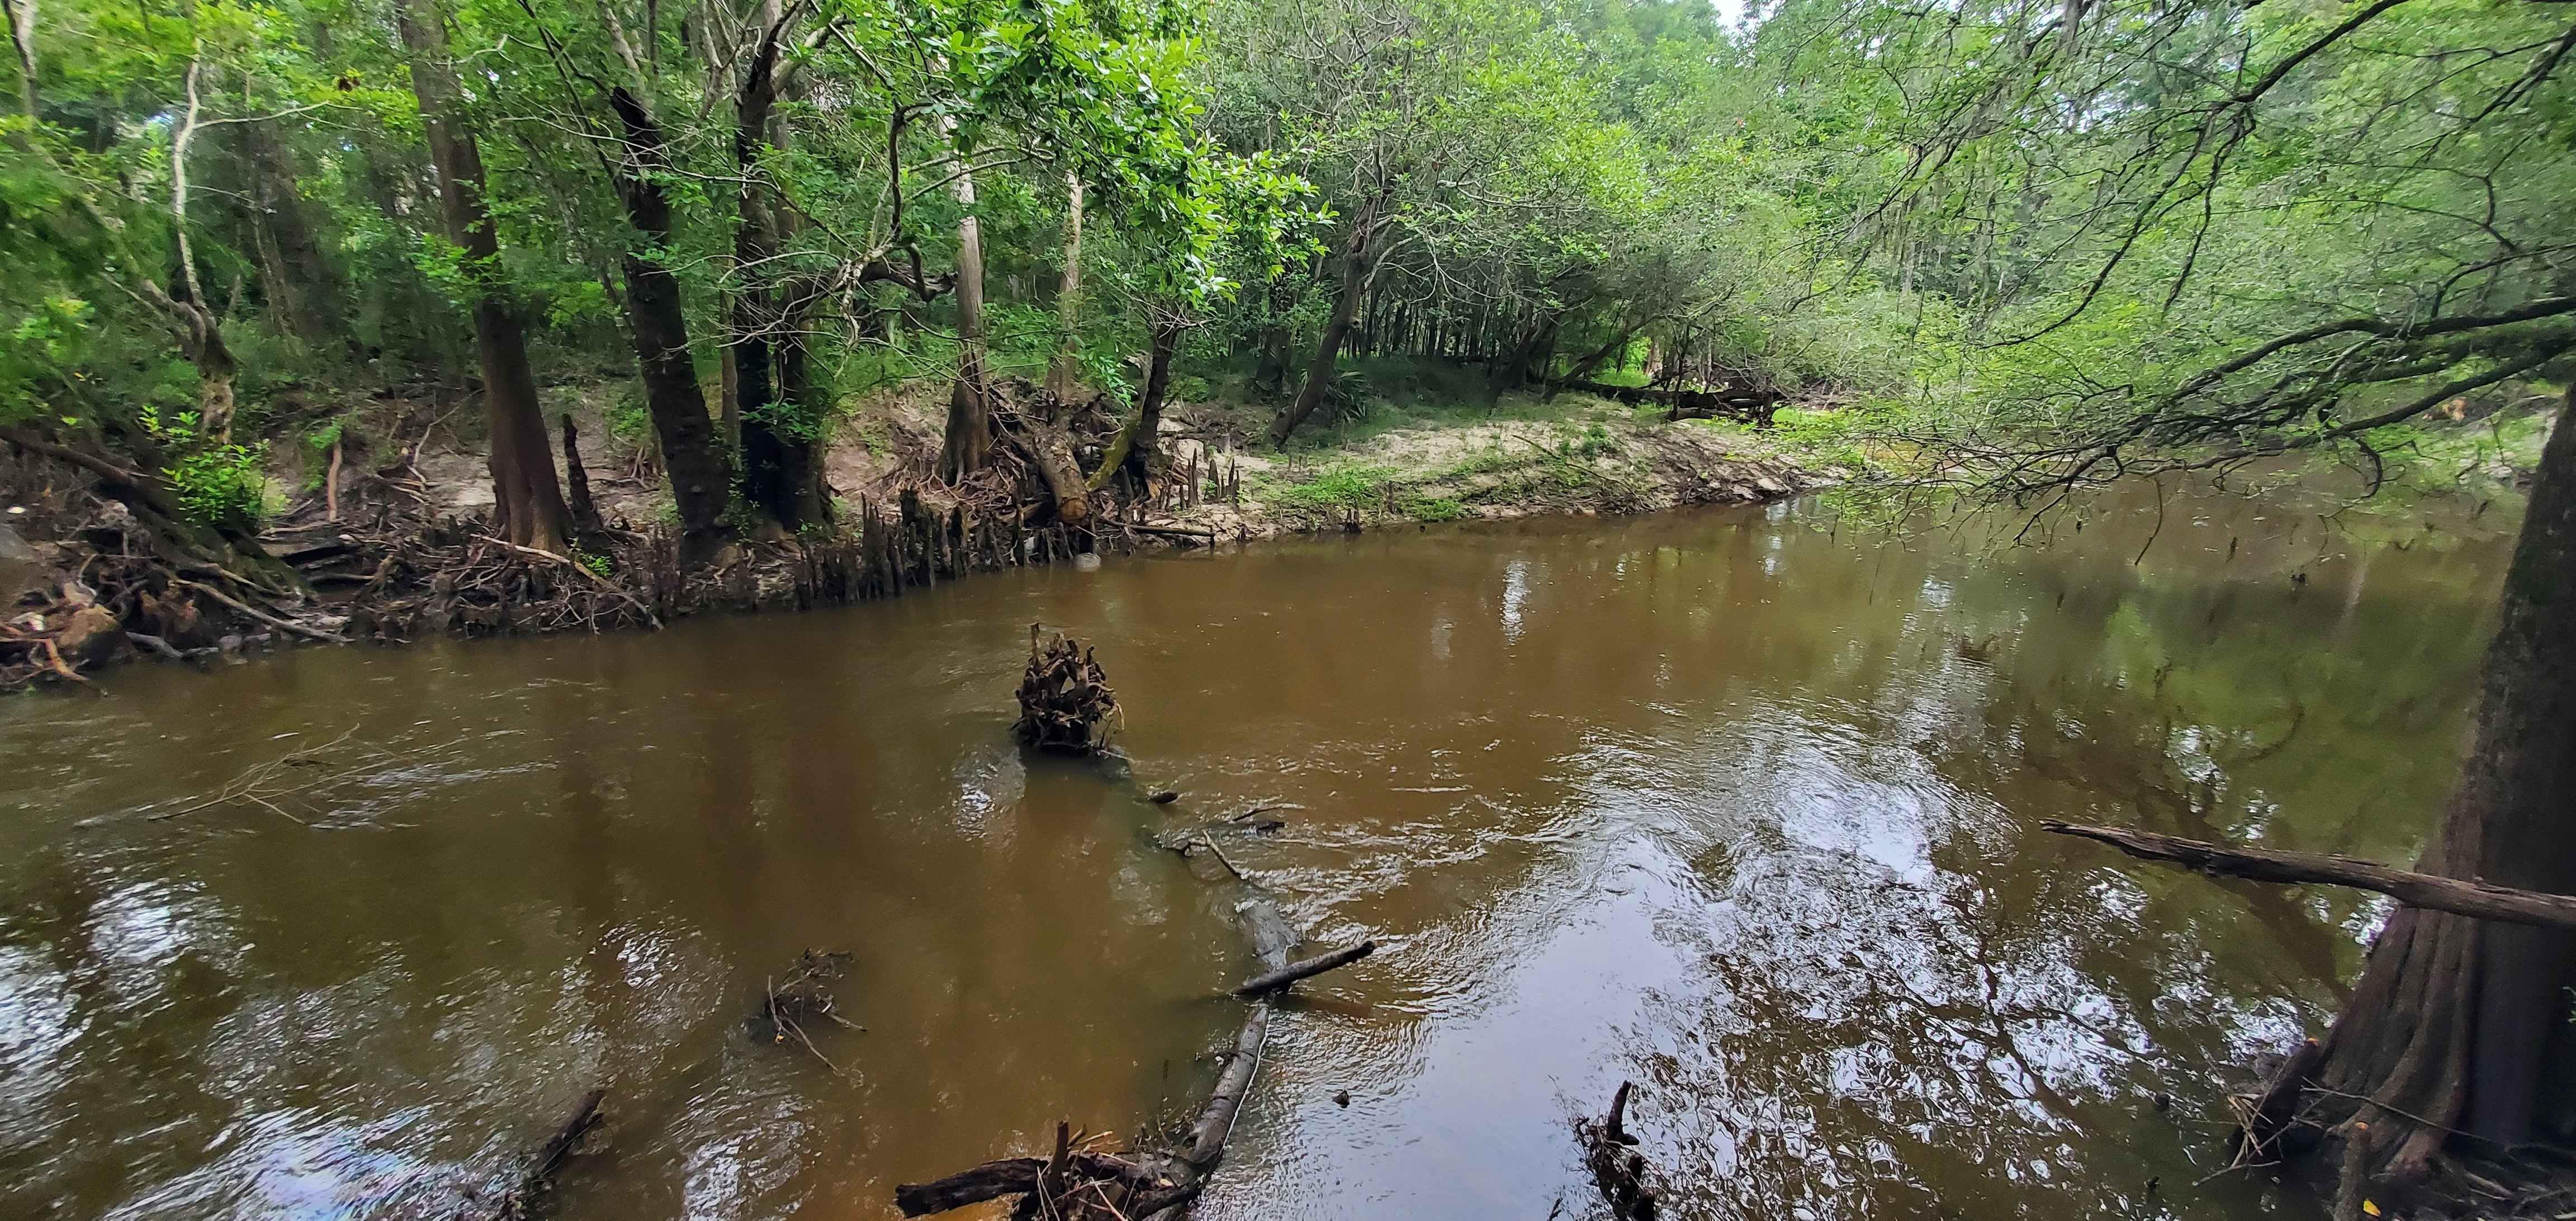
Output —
<point x="2039" y="244"/>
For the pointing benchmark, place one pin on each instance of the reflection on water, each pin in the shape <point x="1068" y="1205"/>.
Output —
<point x="1736" y="808"/>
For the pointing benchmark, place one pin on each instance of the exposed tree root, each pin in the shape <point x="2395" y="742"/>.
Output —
<point x="1065" y="701"/>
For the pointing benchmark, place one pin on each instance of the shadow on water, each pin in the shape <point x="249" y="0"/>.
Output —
<point x="1716" y="801"/>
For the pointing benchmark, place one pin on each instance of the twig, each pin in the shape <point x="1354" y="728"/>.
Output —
<point x="1249" y="815"/>
<point x="1210" y="841"/>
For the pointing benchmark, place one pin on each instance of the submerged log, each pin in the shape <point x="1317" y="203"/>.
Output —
<point x="1216" y="1122"/>
<point x="2466" y="898"/>
<point x="551" y="1157"/>
<point x="1275" y="981"/>
<point x="1008" y="1176"/>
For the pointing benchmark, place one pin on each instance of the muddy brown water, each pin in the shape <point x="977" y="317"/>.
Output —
<point x="1715" y="801"/>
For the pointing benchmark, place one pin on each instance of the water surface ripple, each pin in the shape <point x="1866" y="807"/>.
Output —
<point x="1719" y="802"/>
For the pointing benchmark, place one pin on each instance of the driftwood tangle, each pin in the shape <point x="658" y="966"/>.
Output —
<point x="1065" y="701"/>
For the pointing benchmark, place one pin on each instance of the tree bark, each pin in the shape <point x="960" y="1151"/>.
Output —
<point x="2460" y="1023"/>
<point x="781" y="471"/>
<point x="968" y="444"/>
<point x="298" y="280"/>
<point x="654" y="314"/>
<point x="1533" y="333"/>
<point x="1138" y="448"/>
<point x="1145" y="448"/>
<point x="1045" y="435"/>
<point x="585" y="511"/>
<point x="22" y="39"/>
<point x="789" y="454"/>
<point x="527" y="502"/>
<point x="1062" y="374"/>
<point x="1319" y="373"/>
<point x="1275" y="981"/>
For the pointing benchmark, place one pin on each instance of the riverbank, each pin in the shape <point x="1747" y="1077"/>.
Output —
<point x="383" y="534"/>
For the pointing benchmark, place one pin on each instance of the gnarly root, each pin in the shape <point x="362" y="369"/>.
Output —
<point x="1065" y="701"/>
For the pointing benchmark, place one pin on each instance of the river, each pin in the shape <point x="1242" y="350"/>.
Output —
<point x="1718" y="801"/>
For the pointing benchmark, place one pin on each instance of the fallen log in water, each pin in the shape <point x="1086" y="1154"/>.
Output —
<point x="2265" y="865"/>
<point x="1216" y="1121"/>
<point x="1276" y="981"/>
<point x="1076" y="1184"/>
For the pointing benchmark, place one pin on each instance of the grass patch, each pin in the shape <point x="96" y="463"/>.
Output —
<point x="1430" y="508"/>
<point x="1344" y="486"/>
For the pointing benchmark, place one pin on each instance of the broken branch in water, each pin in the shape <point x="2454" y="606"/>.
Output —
<point x="806" y="996"/>
<point x="1609" y="1152"/>
<point x="2465" y="898"/>
<point x="550" y="1158"/>
<point x="1216" y="1122"/>
<point x="1261" y="985"/>
<point x="306" y="777"/>
<point x="1222" y="859"/>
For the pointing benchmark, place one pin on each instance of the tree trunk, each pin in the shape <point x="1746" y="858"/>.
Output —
<point x="1319" y="374"/>
<point x="654" y="313"/>
<point x="298" y="281"/>
<point x="527" y="501"/>
<point x="22" y="39"/>
<point x="969" y="441"/>
<point x="2459" y="1023"/>
<point x="788" y="456"/>
<point x="1046" y="437"/>
<point x="1145" y="452"/>
<point x="585" y="511"/>
<point x="1138" y="449"/>
<point x="1062" y="374"/>
<point x="1270" y="372"/>
<point x="1534" y="332"/>
<point x="774" y="407"/>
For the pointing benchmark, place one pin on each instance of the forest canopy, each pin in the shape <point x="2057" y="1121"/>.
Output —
<point x="2017" y="246"/>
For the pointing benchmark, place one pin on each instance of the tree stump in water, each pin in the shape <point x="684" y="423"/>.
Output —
<point x="1065" y="701"/>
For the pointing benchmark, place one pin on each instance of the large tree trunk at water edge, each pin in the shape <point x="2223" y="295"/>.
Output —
<point x="655" y="315"/>
<point x="2459" y="1023"/>
<point x="783" y="463"/>
<point x="527" y="500"/>
<point x="774" y="408"/>
<point x="968" y="444"/>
